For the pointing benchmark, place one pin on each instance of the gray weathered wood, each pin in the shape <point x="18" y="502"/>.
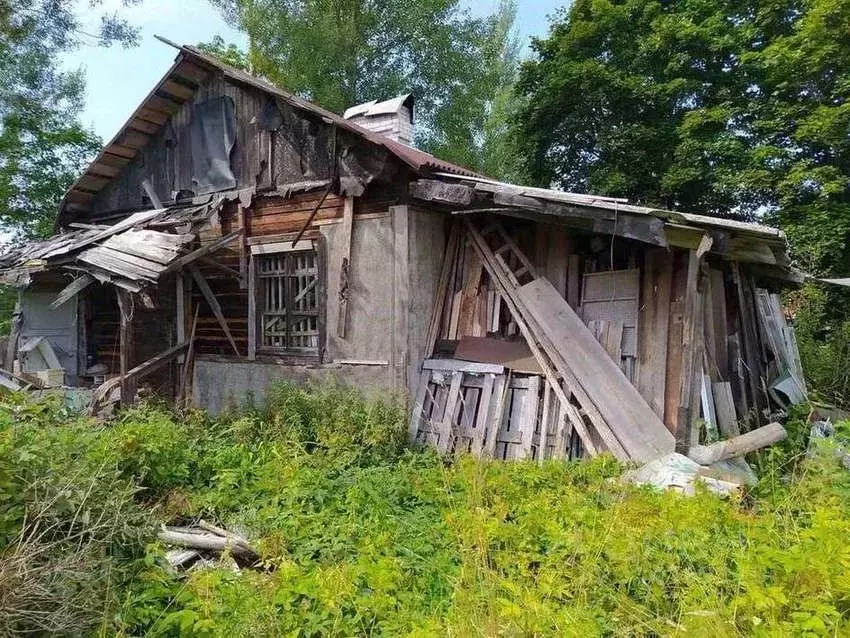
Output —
<point x="210" y="297"/>
<point x="654" y="324"/>
<point x="442" y="288"/>
<point x="446" y="424"/>
<point x="72" y="290"/>
<point x="739" y="445"/>
<point x="724" y="405"/>
<point x="345" y="268"/>
<point x="252" y="308"/>
<point x="137" y="373"/>
<point x="452" y="365"/>
<point x="635" y="425"/>
<point x="419" y="405"/>
<point x="441" y="192"/>
<point x="529" y="418"/>
<point x="208" y="541"/>
<point x="203" y="250"/>
<point x="507" y="290"/>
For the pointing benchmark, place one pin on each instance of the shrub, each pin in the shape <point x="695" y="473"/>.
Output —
<point x="362" y="536"/>
<point x="823" y="336"/>
<point x="70" y="530"/>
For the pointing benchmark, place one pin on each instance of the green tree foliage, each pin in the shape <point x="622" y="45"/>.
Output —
<point x="722" y="107"/>
<point x="340" y="53"/>
<point x="42" y="144"/>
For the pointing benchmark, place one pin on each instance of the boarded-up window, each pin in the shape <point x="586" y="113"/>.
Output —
<point x="289" y="302"/>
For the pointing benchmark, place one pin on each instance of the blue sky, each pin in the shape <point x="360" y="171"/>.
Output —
<point x="118" y="79"/>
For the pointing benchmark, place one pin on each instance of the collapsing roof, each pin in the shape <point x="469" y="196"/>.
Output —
<point x="731" y="239"/>
<point x="129" y="254"/>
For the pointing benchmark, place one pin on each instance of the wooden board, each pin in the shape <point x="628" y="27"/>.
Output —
<point x="654" y="322"/>
<point x="639" y="430"/>
<point x="515" y="355"/>
<point x="479" y="413"/>
<point x="613" y="296"/>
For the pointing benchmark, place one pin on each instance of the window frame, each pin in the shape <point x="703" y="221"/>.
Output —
<point x="267" y="249"/>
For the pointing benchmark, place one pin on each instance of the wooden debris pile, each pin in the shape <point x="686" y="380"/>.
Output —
<point x="204" y="543"/>
<point x="580" y="351"/>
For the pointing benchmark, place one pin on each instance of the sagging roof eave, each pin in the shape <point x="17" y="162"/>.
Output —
<point x="619" y="205"/>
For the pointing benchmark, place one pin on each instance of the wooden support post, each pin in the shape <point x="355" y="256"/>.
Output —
<point x="125" y="355"/>
<point x="749" y="336"/>
<point x="14" y="337"/>
<point x="252" y="309"/>
<point x="243" y="247"/>
<point x="180" y="305"/>
<point x="691" y="347"/>
<point x="345" y="268"/>
<point x="213" y="303"/>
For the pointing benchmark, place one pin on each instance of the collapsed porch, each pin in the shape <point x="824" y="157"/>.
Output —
<point x="550" y="339"/>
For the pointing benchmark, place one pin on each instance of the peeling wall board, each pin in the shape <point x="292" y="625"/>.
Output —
<point x="654" y="322"/>
<point x="716" y="308"/>
<point x="724" y="404"/>
<point x="749" y="338"/>
<point x="675" y="331"/>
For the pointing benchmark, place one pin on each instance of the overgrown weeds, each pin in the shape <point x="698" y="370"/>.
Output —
<point x="361" y="535"/>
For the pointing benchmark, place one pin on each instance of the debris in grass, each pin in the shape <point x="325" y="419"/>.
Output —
<point x="204" y="542"/>
<point x="677" y="472"/>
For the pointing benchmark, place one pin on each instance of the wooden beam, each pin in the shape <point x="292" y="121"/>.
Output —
<point x="72" y="290"/>
<point x="243" y="247"/>
<point x="125" y="354"/>
<point x="151" y="193"/>
<point x="442" y="287"/>
<point x="14" y="336"/>
<point x="312" y="215"/>
<point x="345" y="268"/>
<point x="202" y="251"/>
<point x="252" y="309"/>
<point x="739" y="445"/>
<point x="137" y="373"/>
<point x="213" y="303"/>
<point x="506" y="290"/>
<point x="431" y="190"/>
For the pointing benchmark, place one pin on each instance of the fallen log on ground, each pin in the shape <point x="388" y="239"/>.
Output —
<point x="739" y="445"/>
<point x="210" y="542"/>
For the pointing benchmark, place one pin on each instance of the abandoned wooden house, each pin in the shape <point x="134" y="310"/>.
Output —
<point x="232" y="234"/>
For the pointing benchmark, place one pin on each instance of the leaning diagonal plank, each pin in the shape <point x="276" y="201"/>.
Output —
<point x="636" y="426"/>
<point x="507" y="291"/>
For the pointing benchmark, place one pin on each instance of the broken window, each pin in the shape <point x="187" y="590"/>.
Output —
<point x="289" y="302"/>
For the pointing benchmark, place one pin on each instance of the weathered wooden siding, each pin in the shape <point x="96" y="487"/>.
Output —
<point x="301" y="146"/>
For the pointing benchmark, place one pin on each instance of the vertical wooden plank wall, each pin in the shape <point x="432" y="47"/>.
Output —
<point x="654" y="325"/>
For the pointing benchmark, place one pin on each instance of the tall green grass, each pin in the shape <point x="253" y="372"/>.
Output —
<point x="363" y="536"/>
